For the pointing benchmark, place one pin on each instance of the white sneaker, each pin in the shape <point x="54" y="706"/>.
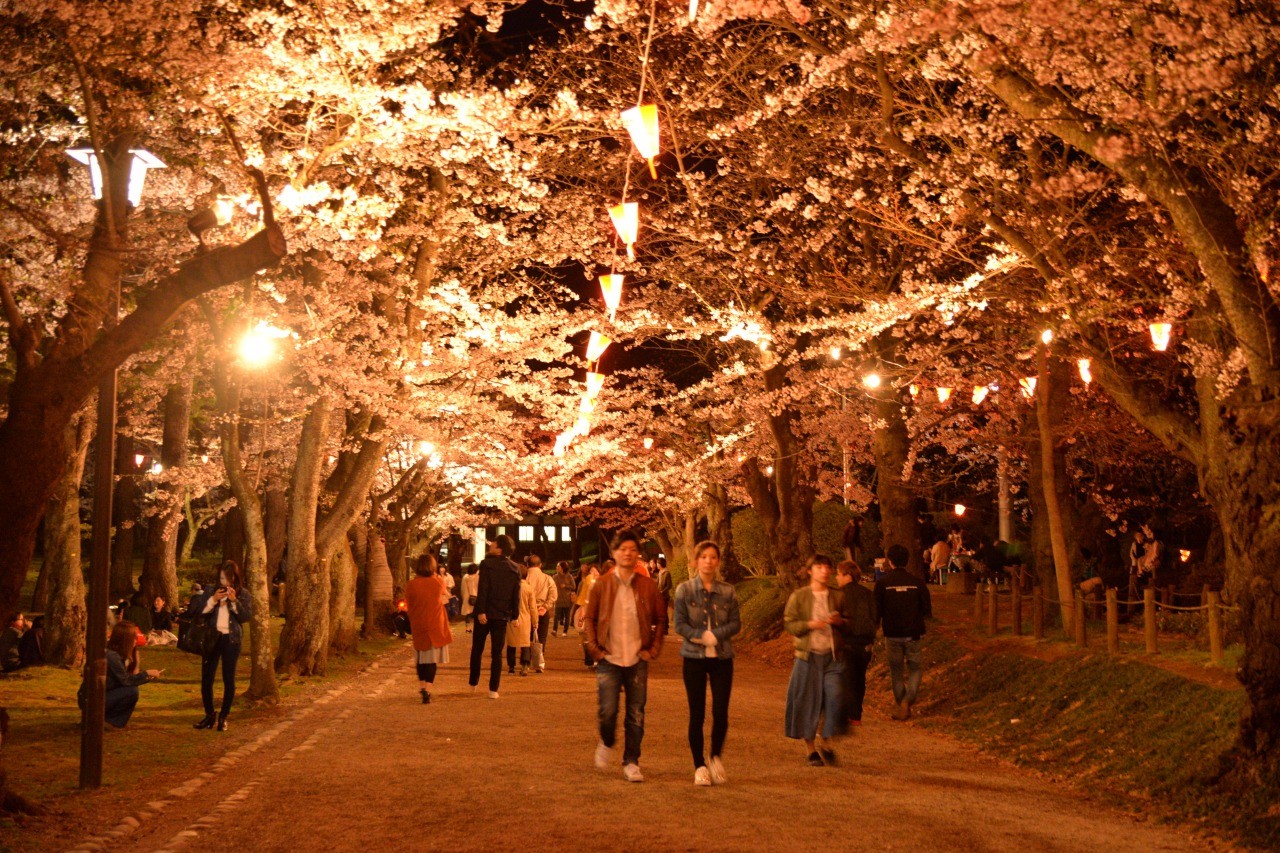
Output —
<point x="715" y="768"/>
<point x="632" y="773"/>
<point x="493" y="694"/>
<point x="702" y="778"/>
<point x="604" y="756"/>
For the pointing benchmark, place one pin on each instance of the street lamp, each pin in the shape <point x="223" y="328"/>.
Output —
<point x="258" y="346"/>
<point x="140" y="161"/>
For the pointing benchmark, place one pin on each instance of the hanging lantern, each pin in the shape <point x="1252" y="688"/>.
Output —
<point x="626" y="221"/>
<point x="835" y="353"/>
<point x="642" y="123"/>
<point x="648" y="443"/>
<point x="1046" y="337"/>
<point x="204" y="458"/>
<point x="693" y="10"/>
<point x="582" y="426"/>
<point x="913" y="390"/>
<point x="1086" y="376"/>
<point x="611" y="290"/>
<point x="138" y="459"/>
<point x="944" y="394"/>
<point x="1185" y="555"/>
<point x="871" y="380"/>
<point x="587" y="405"/>
<point x="596" y="345"/>
<point x="1160" y="335"/>
<point x="595" y="382"/>
<point x="960" y="509"/>
<point x="562" y="443"/>
<point x="1028" y="385"/>
<point x="979" y="394"/>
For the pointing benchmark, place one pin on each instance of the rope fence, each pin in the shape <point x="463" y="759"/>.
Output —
<point x="986" y="613"/>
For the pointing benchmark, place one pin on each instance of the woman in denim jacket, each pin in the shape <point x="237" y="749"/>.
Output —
<point x="707" y="619"/>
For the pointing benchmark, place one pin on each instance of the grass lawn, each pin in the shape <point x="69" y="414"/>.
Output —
<point x="42" y="753"/>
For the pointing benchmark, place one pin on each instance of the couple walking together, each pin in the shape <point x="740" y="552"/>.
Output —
<point x="624" y="626"/>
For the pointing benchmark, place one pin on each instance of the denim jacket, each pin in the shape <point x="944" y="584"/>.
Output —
<point x="694" y="604"/>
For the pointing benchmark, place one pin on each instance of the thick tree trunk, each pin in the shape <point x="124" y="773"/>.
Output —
<point x="1048" y="403"/>
<point x="233" y="534"/>
<point x="378" y="588"/>
<point x="276" y="519"/>
<point x="899" y="522"/>
<point x="715" y="503"/>
<point x="40" y="595"/>
<point x="304" y="644"/>
<point x="124" y="517"/>
<point x="160" y="563"/>
<point x="342" y="599"/>
<point x="1243" y="484"/>
<point x="66" y="614"/>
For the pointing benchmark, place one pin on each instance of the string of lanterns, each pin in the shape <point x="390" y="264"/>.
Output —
<point x="642" y="125"/>
<point x="1161" y="337"/>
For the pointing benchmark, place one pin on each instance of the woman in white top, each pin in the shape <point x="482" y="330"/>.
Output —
<point x="225" y="609"/>
<point x="816" y="689"/>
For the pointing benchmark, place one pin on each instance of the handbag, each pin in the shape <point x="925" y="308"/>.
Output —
<point x="471" y="599"/>
<point x="200" y="638"/>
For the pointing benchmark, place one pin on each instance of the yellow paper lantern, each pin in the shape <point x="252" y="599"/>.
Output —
<point x="913" y="390"/>
<point x="641" y="123"/>
<point x="944" y="394"/>
<point x="611" y="290"/>
<point x="960" y="509"/>
<point x="1028" y="385"/>
<point x="1160" y="335"/>
<point x="595" y="382"/>
<point x="1086" y="375"/>
<point x="979" y="394"/>
<point x="626" y="221"/>
<point x="648" y="443"/>
<point x="596" y="345"/>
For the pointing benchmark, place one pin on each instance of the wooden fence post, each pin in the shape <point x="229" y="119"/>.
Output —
<point x="977" y="607"/>
<point x="1017" y="610"/>
<point x="993" y="609"/>
<point x="1037" y="614"/>
<point x="1204" y="595"/>
<point x="1082" y="639"/>
<point x="1113" y="623"/>
<point x="1215" y="628"/>
<point x="1149" y="619"/>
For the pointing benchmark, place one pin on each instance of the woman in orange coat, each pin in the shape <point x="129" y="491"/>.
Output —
<point x="425" y="598"/>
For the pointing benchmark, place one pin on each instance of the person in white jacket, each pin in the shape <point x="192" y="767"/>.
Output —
<point x="470" y="589"/>
<point x="544" y="592"/>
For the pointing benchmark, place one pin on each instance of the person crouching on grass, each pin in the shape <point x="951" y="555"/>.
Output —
<point x="816" y="689"/>
<point x="123" y="675"/>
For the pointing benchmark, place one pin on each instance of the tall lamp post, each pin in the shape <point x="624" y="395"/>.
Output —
<point x="103" y="482"/>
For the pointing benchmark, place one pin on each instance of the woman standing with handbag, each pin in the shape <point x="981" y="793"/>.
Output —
<point x="426" y="596"/>
<point x="224" y="609"/>
<point x="707" y="618"/>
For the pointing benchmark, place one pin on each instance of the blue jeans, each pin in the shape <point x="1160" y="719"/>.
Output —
<point x="611" y="680"/>
<point x="904" y="649"/>
<point x="120" y="704"/>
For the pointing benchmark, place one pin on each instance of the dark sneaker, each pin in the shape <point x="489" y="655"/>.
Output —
<point x="828" y="757"/>
<point x="814" y="760"/>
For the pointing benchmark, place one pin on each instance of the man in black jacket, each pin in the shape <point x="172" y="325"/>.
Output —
<point x="902" y="600"/>
<point x="497" y="603"/>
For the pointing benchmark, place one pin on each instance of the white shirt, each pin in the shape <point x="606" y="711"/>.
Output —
<point x="820" y="642"/>
<point x="624" y="625"/>
<point x="224" y="615"/>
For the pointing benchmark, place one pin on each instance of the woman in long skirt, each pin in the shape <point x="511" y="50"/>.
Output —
<point x="815" y="693"/>
<point x="425" y="597"/>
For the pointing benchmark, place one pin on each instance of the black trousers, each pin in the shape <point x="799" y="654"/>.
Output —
<point x="228" y="653"/>
<point x="544" y="625"/>
<point x="857" y="658"/>
<point x="511" y="656"/>
<point x="697" y="672"/>
<point x="496" y="631"/>
<point x="561" y="619"/>
<point x="427" y="672"/>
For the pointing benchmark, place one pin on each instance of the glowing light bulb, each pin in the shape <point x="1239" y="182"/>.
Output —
<point x="626" y="221"/>
<point x="138" y="460"/>
<point x="223" y="210"/>
<point x="768" y="471"/>
<point x="1086" y="375"/>
<point x="1160" y="335"/>
<point x="258" y="346"/>
<point x="426" y="448"/>
<point x="204" y="457"/>
<point x="157" y="469"/>
<point x="960" y="509"/>
<point x="871" y="380"/>
<point x="835" y="353"/>
<point x="641" y="123"/>
<point x="1046" y="336"/>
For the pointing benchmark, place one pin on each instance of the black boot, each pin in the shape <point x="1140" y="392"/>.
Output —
<point x="206" y="723"/>
<point x="222" y="721"/>
<point x="426" y="697"/>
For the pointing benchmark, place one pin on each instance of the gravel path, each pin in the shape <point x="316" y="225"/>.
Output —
<point x="371" y="767"/>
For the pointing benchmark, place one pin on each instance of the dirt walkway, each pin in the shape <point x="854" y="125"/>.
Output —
<point x="373" y="768"/>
